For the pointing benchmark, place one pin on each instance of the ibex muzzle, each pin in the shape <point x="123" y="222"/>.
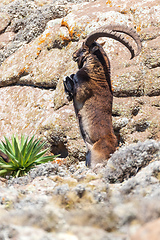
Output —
<point x="90" y="89"/>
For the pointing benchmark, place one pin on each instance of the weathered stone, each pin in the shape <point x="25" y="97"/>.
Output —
<point x="145" y="177"/>
<point x="143" y="115"/>
<point x="149" y="33"/>
<point x="35" y="61"/>
<point x="62" y="133"/>
<point x="149" y="231"/>
<point x="65" y="200"/>
<point x="28" y="21"/>
<point x="151" y="53"/>
<point x="152" y="82"/>
<point x="44" y="63"/>
<point x="129" y="159"/>
<point x="128" y="84"/>
<point x="4" y="20"/>
<point x="119" y="123"/>
<point x="5" y="38"/>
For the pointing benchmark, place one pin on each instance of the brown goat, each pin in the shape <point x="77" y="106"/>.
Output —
<point x="90" y="89"/>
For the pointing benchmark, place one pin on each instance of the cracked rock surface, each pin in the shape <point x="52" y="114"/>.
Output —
<point x="116" y="201"/>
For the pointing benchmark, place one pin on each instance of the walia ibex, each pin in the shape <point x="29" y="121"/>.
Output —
<point x="91" y="91"/>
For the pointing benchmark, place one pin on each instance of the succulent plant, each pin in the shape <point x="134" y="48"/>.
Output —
<point x="21" y="156"/>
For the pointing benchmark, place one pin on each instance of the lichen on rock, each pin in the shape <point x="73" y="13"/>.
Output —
<point x="65" y="199"/>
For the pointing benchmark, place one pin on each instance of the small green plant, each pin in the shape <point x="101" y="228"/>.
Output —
<point x="23" y="155"/>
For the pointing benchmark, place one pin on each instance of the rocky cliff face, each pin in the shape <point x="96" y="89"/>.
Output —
<point x="37" y="39"/>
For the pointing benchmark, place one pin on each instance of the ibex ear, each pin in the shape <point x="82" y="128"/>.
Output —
<point x="102" y="44"/>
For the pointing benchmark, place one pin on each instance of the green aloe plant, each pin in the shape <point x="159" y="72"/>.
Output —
<point x="23" y="155"/>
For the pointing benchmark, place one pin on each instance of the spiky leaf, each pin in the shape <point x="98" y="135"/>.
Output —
<point x="23" y="155"/>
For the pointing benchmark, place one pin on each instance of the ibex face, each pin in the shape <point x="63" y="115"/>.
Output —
<point x="90" y="89"/>
<point x="80" y="55"/>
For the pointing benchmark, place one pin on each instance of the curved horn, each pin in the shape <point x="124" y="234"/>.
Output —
<point x="112" y="31"/>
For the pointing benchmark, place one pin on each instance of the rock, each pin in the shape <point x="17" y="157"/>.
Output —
<point x="62" y="133"/>
<point x="5" y="20"/>
<point x="152" y="82"/>
<point x="35" y="107"/>
<point x="88" y="233"/>
<point x="151" y="55"/>
<point x="128" y="84"/>
<point x="61" y="190"/>
<point x="142" y="117"/>
<point x="78" y="199"/>
<point x="127" y="161"/>
<point x="18" y="232"/>
<point x="5" y="38"/>
<point x="150" y="230"/>
<point x="145" y="177"/>
<point x="43" y="62"/>
<point x="38" y="72"/>
<point x="65" y="200"/>
<point x="120" y="123"/>
<point x="28" y="21"/>
<point x="42" y="170"/>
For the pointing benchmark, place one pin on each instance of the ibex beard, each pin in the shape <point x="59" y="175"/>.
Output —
<point x="91" y="92"/>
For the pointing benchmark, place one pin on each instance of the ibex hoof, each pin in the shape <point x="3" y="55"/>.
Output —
<point x="68" y="86"/>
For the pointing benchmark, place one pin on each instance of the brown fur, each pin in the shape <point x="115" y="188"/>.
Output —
<point x="92" y="99"/>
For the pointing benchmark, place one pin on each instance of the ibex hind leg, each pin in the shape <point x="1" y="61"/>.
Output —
<point x="88" y="158"/>
<point x="102" y="150"/>
<point x="89" y="147"/>
<point x="97" y="153"/>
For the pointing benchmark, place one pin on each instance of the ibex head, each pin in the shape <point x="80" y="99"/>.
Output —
<point x="110" y="31"/>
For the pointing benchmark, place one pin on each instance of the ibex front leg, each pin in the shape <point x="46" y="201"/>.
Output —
<point x="69" y="86"/>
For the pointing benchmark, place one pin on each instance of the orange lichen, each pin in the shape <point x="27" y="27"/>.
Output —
<point x="72" y="31"/>
<point x="132" y="10"/>
<point x="26" y="125"/>
<point x="65" y="39"/>
<point x="64" y="24"/>
<point x="60" y="161"/>
<point x="21" y="71"/>
<point x="48" y="34"/>
<point x="40" y="4"/>
<point x="109" y="2"/>
<point x="42" y="39"/>
<point x="38" y="51"/>
<point x="123" y="11"/>
<point x="139" y="28"/>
